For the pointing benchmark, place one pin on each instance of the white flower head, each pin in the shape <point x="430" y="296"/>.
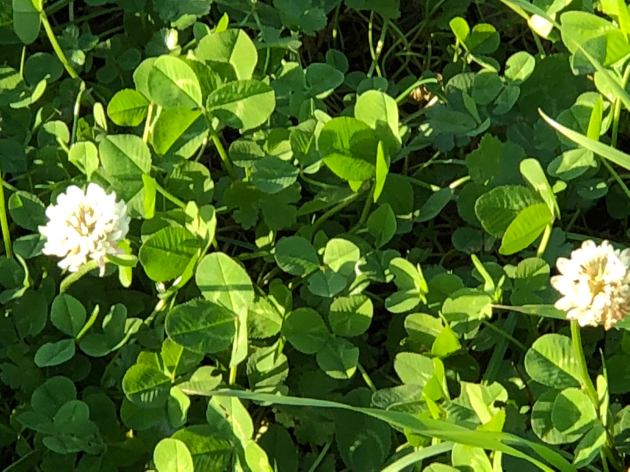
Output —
<point x="595" y="284"/>
<point x="85" y="225"/>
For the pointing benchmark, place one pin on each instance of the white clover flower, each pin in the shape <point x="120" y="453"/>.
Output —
<point x="595" y="283"/>
<point x="85" y="225"/>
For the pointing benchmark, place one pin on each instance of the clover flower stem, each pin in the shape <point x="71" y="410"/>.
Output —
<point x="89" y="324"/>
<point x="376" y="52"/>
<point x="232" y="379"/>
<point x="544" y="241"/>
<point x="221" y="150"/>
<point x="4" y="222"/>
<point x="75" y="276"/>
<point x="147" y="123"/>
<point x="365" y="213"/>
<point x="587" y="383"/>
<point x="55" y="44"/>
<point x="367" y="378"/>
<point x="77" y="109"/>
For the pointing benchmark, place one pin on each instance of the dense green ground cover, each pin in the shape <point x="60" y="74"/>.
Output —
<point x="336" y="228"/>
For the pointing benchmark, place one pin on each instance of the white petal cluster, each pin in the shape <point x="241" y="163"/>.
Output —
<point x="595" y="284"/>
<point x="83" y="226"/>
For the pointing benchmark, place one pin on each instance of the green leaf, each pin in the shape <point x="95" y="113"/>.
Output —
<point x="179" y="132"/>
<point x="229" y="418"/>
<point x="167" y="253"/>
<point x="296" y="256"/>
<point x="67" y="314"/>
<point x="173" y="83"/>
<point x="573" y="412"/>
<point x="242" y="104"/>
<point x="382" y="225"/>
<point x="232" y="47"/>
<point x="305" y="329"/>
<point x="26" y="19"/>
<point x="208" y="452"/>
<point x="591" y="444"/>
<point x="322" y="80"/>
<point x="382" y="171"/>
<point x="446" y="343"/>
<point x="413" y="369"/>
<point x="435" y="204"/>
<point x="614" y="155"/>
<point x="348" y="147"/>
<point x="128" y="108"/>
<point x="222" y="280"/>
<point x="486" y="87"/>
<point x="572" y="163"/>
<point x="350" y="316"/>
<point x="201" y="326"/>
<point x="339" y="358"/>
<point x="380" y="112"/>
<point x="426" y="427"/>
<point x="526" y="227"/>
<point x="84" y="155"/>
<point x="52" y="395"/>
<point x="301" y="15"/>
<point x="498" y="208"/>
<point x="519" y="67"/>
<point x="272" y="175"/>
<point x="51" y="354"/>
<point x="125" y="155"/>
<point x="534" y="174"/>
<point x="172" y="455"/>
<point x="146" y="385"/>
<point x="326" y="283"/>
<point x="27" y="210"/>
<point x="466" y="457"/>
<point x="341" y="256"/>
<point x="552" y="361"/>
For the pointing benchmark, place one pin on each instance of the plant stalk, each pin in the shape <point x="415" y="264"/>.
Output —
<point x="221" y="150"/>
<point x="55" y="44"/>
<point x="4" y="221"/>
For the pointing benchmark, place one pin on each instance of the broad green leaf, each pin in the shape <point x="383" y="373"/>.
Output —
<point x="272" y="175"/>
<point x="499" y="207"/>
<point x="232" y="47"/>
<point x="614" y="155"/>
<point x="27" y="210"/>
<point x="572" y="163"/>
<point x="26" y="19"/>
<point x="208" y="452"/>
<point x="573" y="412"/>
<point x="128" y="108"/>
<point x="341" y="256"/>
<point x="179" y="132"/>
<point x="229" y="418"/>
<point x="519" y="67"/>
<point x="414" y="369"/>
<point x="146" y="385"/>
<point x="326" y="283"/>
<point x="350" y="316"/>
<point x="242" y="104"/>
<point x="382" y="224"/>
<point x="435" y="204"/>
<point x="382" y="170"/>
<point x="446" y="343"/>
<point x="167" y="253"/>
<point x="201" y="326"/>
<point x="172" y="455"/>
<point x="296" y="256"/>
<point x="52" y="395"/>
<point x="172" y="83"/>
<point x="380" y="112"/>
<point x="68" y="314"/>
<point x="552" y="361"/>
<point x="542" y="425"/>
<point x="591" y="444"/>
<point x="474" y="458"/>
<point x="222" y="280"/>
<point x="51" y="354"/>
<point x="525" y="229"/>
<point x="486" y="87"/>
<point x="349" y="148"/>
<point x="595" y="34"/>
<point x="534" y="174"/>
<point x="322" y="79"/>
<point x="125" y="155"/>
<point x="84" y="155"/>
<point x="281" y="450"/>
<point x="338" y="358"/>
<point x="305" y="329"/>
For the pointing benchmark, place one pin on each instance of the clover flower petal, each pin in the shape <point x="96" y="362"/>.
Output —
<point x="83" y="226"/>
<point x="595" y="284"/>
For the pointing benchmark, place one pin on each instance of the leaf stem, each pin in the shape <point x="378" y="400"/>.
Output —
<point x="55" y="44"/>
<point x="365" y="213"/>
<point x="544" y="241"/>
<point x="72" y="278"/>
<point x="147" y="123"/>
<point x="617" y="108"/>
<point x="587" y="383"/>
<point x="221" y="150"/>
<point x="376" y="53"/>
<point x="166" y="194"/>
<point x="337" y="208"/>
<point x="367" y="378"/>
<point x="615" y="176"/>
<point x="4" y="221"/>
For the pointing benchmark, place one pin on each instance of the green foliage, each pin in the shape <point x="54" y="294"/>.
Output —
<point x="344" y="219"/>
